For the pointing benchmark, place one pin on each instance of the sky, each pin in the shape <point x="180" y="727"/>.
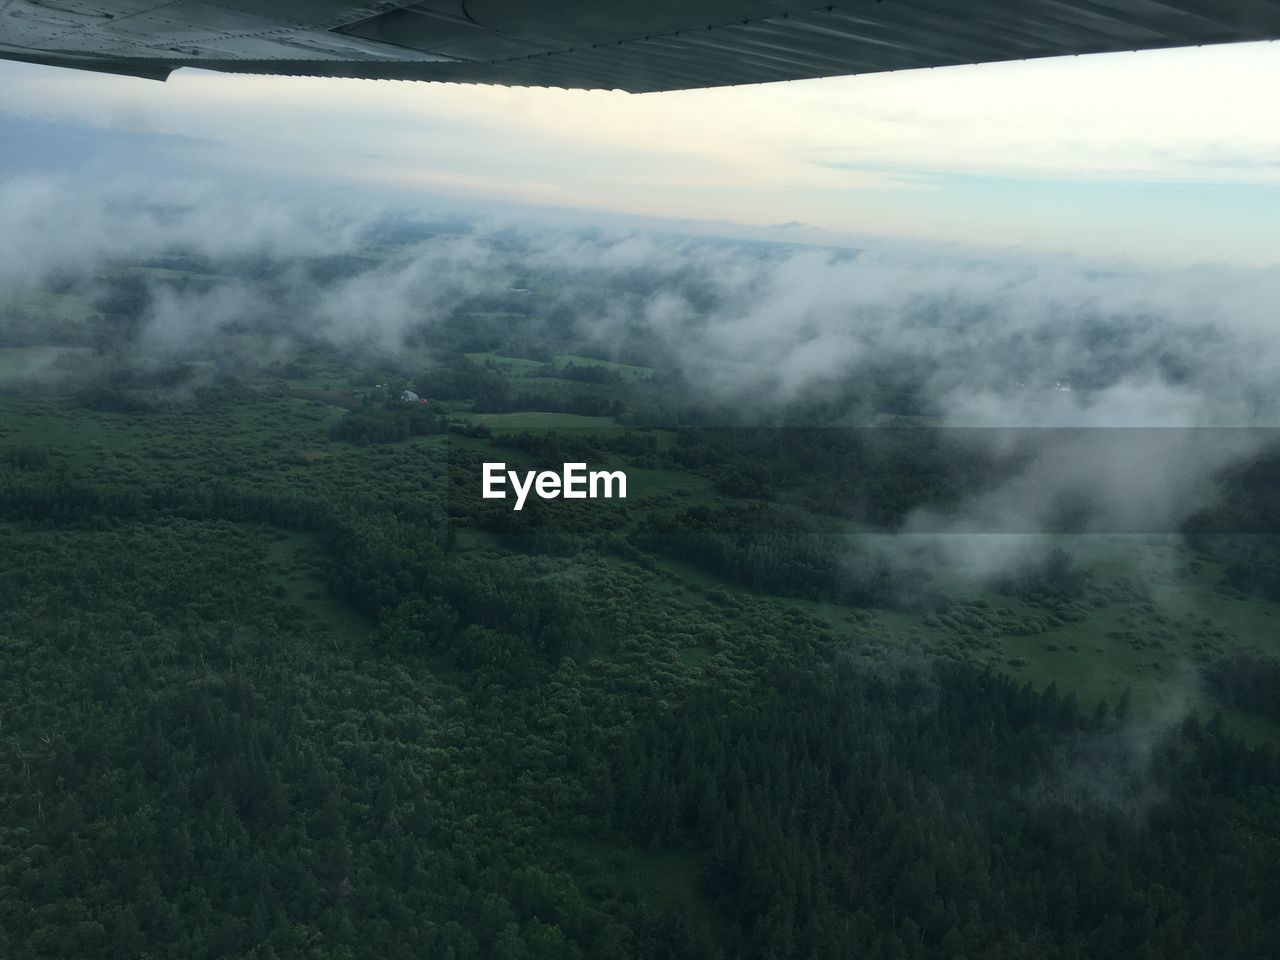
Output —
<point x="1154" y="157"/>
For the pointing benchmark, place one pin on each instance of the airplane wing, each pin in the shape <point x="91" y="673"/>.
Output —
<point x="634" y="45"/>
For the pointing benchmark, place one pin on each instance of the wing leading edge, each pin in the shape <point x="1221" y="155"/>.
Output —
<point x="629" y="45"/>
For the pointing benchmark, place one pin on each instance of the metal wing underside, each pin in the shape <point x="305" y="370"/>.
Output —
<point x="634" y="45"/>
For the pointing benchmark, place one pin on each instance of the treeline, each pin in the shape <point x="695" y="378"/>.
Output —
<point x="767" y="551"/>
<point x="874" y="476"/>
<point x="1250" y="562"/>
<point x="1246" y="680"/>
<point x="580" y="404"/>
<point x="559" y="447"/>
<point x="586" y="373"/>
<point x="489" y="390"/>
<point x="388" y="423"/>
<point x="1054" y="577"/>
<point x="1248" y="502"/>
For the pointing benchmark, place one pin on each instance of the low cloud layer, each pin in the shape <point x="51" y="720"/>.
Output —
<point x="1015" y="341"/>
<point x="756" y="331"/>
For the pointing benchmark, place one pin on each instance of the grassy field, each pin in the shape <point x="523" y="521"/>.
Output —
<point x="627" y="371"/>
<point x="298" y="580"/>
<point x="535" y="421"/>
<point x="517" y="365"/>
<point x="523" y="367"/>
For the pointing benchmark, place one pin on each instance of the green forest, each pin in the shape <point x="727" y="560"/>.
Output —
<point x="278" y="683"/>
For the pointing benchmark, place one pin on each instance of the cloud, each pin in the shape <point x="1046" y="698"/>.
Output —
<point x="751" y="332"/>
<point x="1117" y="769"/>
<point x="55" y="224"/>
<point x="985" y="340"/>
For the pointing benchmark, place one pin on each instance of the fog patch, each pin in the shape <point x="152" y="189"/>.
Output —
<point x="752" y="332"/>
<point x="1118" y="769"/>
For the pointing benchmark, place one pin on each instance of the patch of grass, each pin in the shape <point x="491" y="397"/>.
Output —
<point x="657" y="879"/>
<point x="303" y="587"/>
<point x="536" y="421"/>
<point x="518" y="365"/>
<point x="626" y="371"/>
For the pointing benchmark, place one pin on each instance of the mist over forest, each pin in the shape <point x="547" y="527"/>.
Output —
<point x="744" y="333"/>
<point x="938" y="620"/>
<point x="974" y="339"/>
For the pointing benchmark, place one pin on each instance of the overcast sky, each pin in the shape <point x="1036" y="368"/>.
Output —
<point x="1166" y="155"/>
